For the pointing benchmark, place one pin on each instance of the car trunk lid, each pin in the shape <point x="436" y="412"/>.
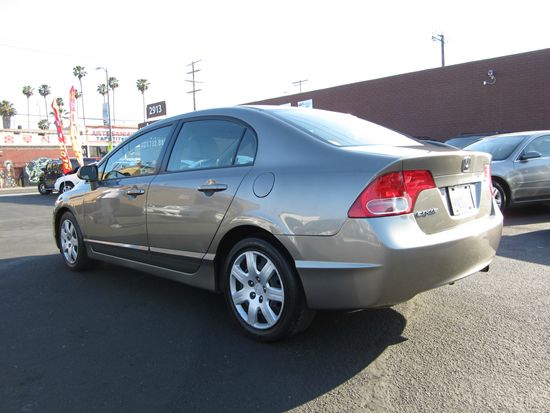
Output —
<point x="463" y="189"/>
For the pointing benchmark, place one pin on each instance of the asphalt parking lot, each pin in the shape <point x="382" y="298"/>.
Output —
<point x="118" y="340"/>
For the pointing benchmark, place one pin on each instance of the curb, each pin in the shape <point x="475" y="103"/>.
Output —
<point x="19" y="190"/>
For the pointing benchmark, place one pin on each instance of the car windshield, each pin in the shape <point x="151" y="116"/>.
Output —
<point x="342" y="130"/>
<point x="500" y="148"/>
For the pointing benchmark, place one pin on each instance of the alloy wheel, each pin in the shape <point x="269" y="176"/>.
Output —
<point x="69" y="241"/>
<point x="256" y="290"/>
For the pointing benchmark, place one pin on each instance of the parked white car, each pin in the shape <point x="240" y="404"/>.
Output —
<point x="66" y="182"/>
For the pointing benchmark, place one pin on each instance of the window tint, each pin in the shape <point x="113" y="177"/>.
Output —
<point x="342" y="130"/>
<point x="247" y="149"/>
<point x="500" y="148"/>
<point x="541" y="145"/>
<point x="205" y="144"/>
<point x="140" y="156"/>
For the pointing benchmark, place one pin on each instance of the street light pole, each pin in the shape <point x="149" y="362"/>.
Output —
<point x="108" y="105"/>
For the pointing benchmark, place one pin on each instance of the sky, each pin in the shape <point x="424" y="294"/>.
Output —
<point x="248" y="50"/>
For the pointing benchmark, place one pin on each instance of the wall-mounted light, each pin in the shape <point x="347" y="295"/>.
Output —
<point x="492" y="78"/>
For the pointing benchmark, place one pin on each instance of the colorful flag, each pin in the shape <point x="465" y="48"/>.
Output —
<point x="65" y="163"/>
<point x="73" y="130"/>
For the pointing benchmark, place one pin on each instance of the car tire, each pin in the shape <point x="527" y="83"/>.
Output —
<point x="71" y="244"/>
<point x="500" y="195"/>
<point x="42" y="189"/>
<point x="67" y="186"/>
<point x="263" y="292"/>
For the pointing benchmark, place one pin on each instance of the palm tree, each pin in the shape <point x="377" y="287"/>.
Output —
<point x="43" y="124"/>
<point x="44" y="90"/>
<point x="80" y="72"/>
<point x="7" y="111"/>
<point x="60" y="109"/>
<point x="60" y="105"/>
<point x="113" y="84"/>
<point x="143" y="85"/>
<point x="102" y="90"/>
<point x="28" y="91"/>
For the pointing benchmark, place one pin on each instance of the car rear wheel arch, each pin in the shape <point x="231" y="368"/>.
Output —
<point x="294" y="316"/>
<point x="242" y="232"/>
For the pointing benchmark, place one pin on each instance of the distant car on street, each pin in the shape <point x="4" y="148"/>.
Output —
<point x="52" y="171"/>
<point x="520" y="166"/>
<point x="67" y="182"/>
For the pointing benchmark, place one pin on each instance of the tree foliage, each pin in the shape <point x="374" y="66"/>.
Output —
<point x="142" y="85"/>
<point x="28" y="91"/>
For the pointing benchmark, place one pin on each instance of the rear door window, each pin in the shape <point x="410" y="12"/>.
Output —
<point x="211" y="143"/>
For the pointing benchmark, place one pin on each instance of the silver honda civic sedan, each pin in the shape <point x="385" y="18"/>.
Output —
<point x="284" y="211"/>
<point x="520" y="166"/>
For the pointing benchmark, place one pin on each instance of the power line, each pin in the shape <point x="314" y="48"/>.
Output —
<point x="192" y="73"/>
<point x="298" y="83"/>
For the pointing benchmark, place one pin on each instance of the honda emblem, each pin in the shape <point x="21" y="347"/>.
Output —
<point x="466" y="164"/>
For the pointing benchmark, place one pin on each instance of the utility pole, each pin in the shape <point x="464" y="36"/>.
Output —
<point x="298" y="83"/>
<point x="192" y="73"/>
<point x="108" y="106"/>
<point x="441" y="38"/>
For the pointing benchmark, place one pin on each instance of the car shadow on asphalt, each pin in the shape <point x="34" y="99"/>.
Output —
<point x="531" y="246"/>
<point x="532" y="214"/>
<point x="120" y="340"/>
<point x="29" y="199"/>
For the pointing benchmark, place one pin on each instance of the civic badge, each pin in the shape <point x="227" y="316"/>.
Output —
<point x="466" y="164"/>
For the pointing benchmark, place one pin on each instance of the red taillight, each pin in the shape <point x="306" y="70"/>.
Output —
<point x="487" y="177"/>
<point x="394" y="193"/>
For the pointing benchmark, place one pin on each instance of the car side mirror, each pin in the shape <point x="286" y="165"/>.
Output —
<point x="88" y="173"/>
<point x="530" y="155"/>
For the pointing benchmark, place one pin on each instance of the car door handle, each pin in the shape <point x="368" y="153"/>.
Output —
<point x="212" y="188"/>
<point x="135" y="192"/>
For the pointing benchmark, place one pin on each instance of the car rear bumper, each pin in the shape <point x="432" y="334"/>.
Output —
<point x="385" y="261"/>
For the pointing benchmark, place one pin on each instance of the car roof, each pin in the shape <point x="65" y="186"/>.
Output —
<point x="526" y="133"/>
<point x="225" y="111"/>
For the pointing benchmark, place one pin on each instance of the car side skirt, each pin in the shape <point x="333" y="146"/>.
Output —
<point x="204" y="278"/>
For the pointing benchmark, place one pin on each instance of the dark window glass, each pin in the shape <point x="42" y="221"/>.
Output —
<point x="340" y="129"/>
<point x="540" y="145"/>
<point x="500" y="148"/>
<point x="247" y="149"/>
<point x="205" y="144"/>
<point x="140" y="156"/>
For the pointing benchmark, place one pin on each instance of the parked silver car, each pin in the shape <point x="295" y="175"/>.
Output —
<point x="285" y="211"/>
<point x="520" y="166"/>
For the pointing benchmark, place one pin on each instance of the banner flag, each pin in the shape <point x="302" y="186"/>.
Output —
<point x="73" y="130"/>
<point x="65" y="163"/>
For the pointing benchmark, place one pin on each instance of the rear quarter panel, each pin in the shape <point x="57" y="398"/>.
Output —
<point x="314" y="186"/>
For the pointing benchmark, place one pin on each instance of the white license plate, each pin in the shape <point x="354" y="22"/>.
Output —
<point x="462" y="200"/>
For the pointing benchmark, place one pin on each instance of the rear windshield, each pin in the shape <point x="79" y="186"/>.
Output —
<point x="499" y="148"/>
<point x="342" y="130"/>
